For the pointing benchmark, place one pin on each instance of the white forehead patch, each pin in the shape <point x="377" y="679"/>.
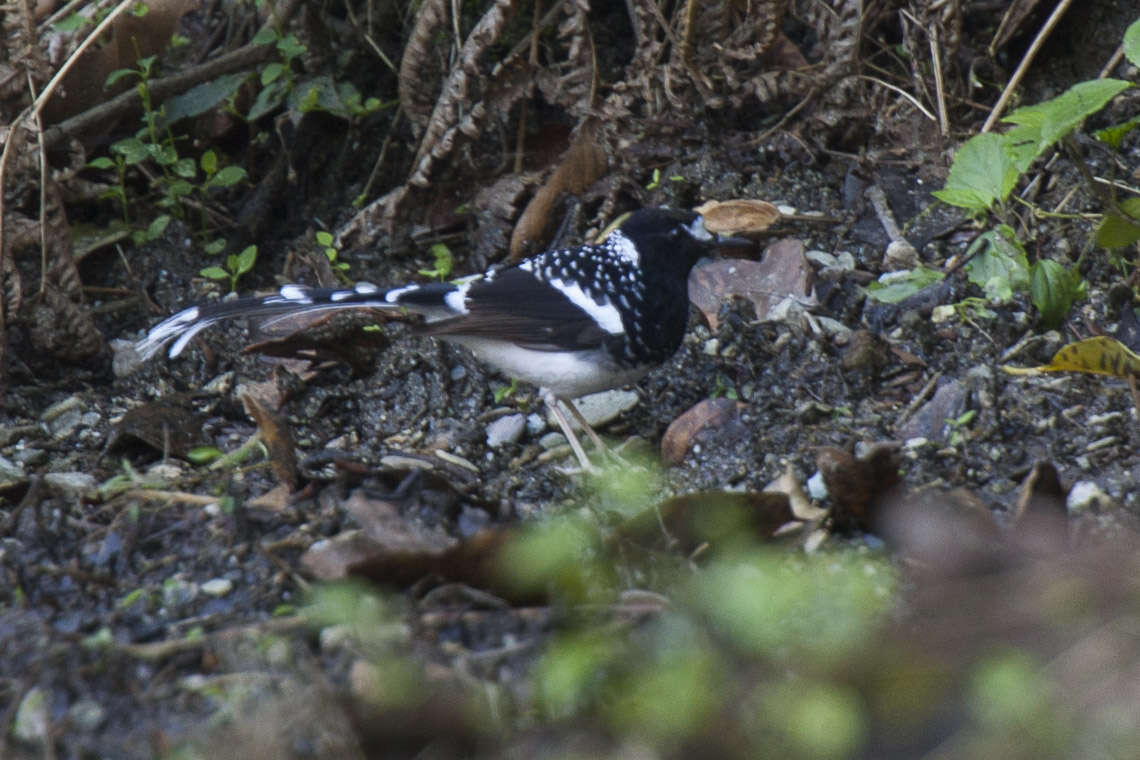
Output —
<point x="699" y="231"/>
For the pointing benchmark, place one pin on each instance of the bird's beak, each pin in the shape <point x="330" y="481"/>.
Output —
<point x="732" y="241"/>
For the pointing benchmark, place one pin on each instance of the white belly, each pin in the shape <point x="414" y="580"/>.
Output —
<point x="567" y="375"/>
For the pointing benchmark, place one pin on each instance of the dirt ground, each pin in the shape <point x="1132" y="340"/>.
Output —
<point x="354" y="586"/>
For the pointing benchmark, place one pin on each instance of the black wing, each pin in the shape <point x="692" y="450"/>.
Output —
<point x="516" y="306"/>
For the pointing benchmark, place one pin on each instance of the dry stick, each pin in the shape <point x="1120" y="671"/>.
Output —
<point x="1023" y="67"/>
<point x="939" y="88"/>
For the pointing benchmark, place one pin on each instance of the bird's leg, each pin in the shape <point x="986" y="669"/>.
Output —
<point x="593" y="436"/>
<point x="571" y="438"/>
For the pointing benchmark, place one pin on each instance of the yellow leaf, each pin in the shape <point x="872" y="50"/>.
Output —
<point x="1096" y="356"/>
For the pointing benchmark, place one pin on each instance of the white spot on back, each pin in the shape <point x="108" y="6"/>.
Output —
<point x="295" y="293"/>
<point x="456" y="300"/>
<point x="366" y="289"/>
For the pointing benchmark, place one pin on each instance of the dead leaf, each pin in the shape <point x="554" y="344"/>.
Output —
<point x="276" y="436"/>
<point x="738" y="217"/>
<point x="783" y="274"/>
<point x="683" y="431"/>
<point x="1095" y="356"/>
<point x="163" y="426"/>
<point x="858" y="487"/>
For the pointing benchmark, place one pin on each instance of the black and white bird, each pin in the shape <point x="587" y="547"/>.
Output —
<point x="572" y="321"/>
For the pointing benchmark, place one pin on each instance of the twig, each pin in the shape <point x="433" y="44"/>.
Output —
<point x="939" y="88"/>
<point x="1026" y="60"/>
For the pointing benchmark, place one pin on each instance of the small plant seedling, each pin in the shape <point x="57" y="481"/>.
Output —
<point x="325" y="240"/>
<point x="444" y="263"/>
<point x="237" y="264"/>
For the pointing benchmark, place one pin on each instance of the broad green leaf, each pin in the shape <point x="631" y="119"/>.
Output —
<point x="132" y="149"/>
<point x="227" y="177"/>
<point x="1118" y="232"/>
<point x="203" y="454"/>
<point x="201" y="98"/>
<point x="264" y="36"/>
<point x="1132" y="43"/>
<point x="245" y="260"/>
<point x="981" y="174"/>
<point x="899" y="288"/>
<point x="157" y="227"/>
<point x="185" y="168"/>
<point x="1114" y="136"/>
<point x="116" y="75"/>
<point x="214" y="247"/>
<point x="1001" y="268"/>
<point x="215" y="273"/>
<point x="1055" y="118"/>
<point x="101" y="163"/>
<point x="1053" y="290"/>
<point x="71" y="23"/>
<point x="271" y="72"/>
<point x="179" y="189"/>
<point x="267" y="100"/>
<point x="209" y="162"/>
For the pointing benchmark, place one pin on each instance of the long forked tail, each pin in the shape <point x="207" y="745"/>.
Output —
<point x="289" y="301"/>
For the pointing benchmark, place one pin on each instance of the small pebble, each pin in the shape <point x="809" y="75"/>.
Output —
<point x="217" y="587"/>
<point x="504" y="430"/>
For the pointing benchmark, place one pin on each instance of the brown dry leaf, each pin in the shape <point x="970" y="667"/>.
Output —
<point x="716" y="518"/>
<point x="276" y="436"/>
<point x="784" y="273"/>
<point x="166" y="427"/>
<point x="683" y="431"/>
<point x="276" y="499"/>
<point x="1041" y="520"/>
<point x="858" y="488"/>
<point x="738" y="217"/>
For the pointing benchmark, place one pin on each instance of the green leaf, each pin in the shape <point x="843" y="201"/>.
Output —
<point x="324" y="238"/>
<point x="1118" y="232"/>
<point x="214" y="247"/>
<point x="164" y="155"/>
<point x="1002" y="267"/>
<point x="245" y="260"/>
<point x="156" y="228"/>
<point x="209" y="162"/>
<point x="1132" y="43"/>
<point x="898" y="286"/>
<point x="116" y="75"/>
<point x="227" y="177"/>
<point x="267" y="100"/>
<point x="215" y="273"/>
<point x="981" y="174"/>
<point x="203" y="454"/>
<point x="101" y="163"/>
<point x="132" y="149"/>
<point x="264" y="36"/>
<point x="71" y="23"/>
<point x="1053" y="290"/>
<point x="271" y="72"/>
<point x="290" y="46"/>
<point x="201" y="98"/>
<point x="1053" y="119"/>
<point x="1114" y="136"/>
<point x="179" y="189"/>
<point x="185" y="168"/>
